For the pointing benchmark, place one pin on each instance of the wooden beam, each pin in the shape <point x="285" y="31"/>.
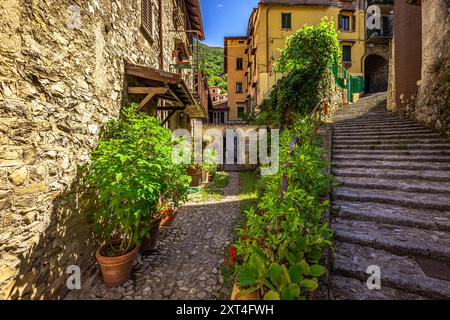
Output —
<point x="152" y="74"/>
<point x="171" y="108"/>
<point x="176" y="97"/>
<point x="145" y="101"/>
<point x="148" y="90"/>
<point x="169" y="116"/>
<point x="168" y="98"/>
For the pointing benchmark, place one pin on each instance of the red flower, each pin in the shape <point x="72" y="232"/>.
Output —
<point x="244" y="238"/>
<point x="225" y="260"/>
<point x="233" y="254"/>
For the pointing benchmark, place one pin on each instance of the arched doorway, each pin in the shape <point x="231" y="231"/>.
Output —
<point x="376" y="73"/>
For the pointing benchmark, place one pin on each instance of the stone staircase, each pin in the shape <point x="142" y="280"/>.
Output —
<point x="390" y="205"/>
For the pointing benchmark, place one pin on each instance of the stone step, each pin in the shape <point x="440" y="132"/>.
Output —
<point x="376" y="127"/>
<point x="401" y="277"/>
<point x="389" y="157"/>
<point x="394" y="165"/>
<point x="404" y="140"/>
<point x="402" y="136"/>
<point x="410" y="185"/>
<point x="346" y="288"/>
<point x="428" y="175"/>
<point x="397" y="146"/>
<point x="402" y="198"/>
<point x="399" y="240"/>
<point x="392" y="214"/>
<point x="373" y="121"/>
<point x="353" y="151"/>
<point x="380" y="132"/>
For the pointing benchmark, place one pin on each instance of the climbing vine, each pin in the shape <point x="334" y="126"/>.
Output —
<point x="305" y="62"/>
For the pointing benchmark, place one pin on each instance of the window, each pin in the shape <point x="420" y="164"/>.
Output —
<point x="239" y="63"/>
<point x="386" y="27"/>
<point x="147" y="17"/>
<point x="241" y="111"/>
<point x="344" y="24"/>
<point x="217" y="117"/>
<point x="347" y="53"/>
<point x="238" y="87"/>
<point x="286" y="21"/>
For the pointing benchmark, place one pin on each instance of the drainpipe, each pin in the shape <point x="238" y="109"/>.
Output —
<point x="267" y="36"/>
<point x="161" y="40"/>
<point x="267" y="46"/>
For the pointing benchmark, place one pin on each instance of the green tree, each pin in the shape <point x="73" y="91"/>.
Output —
<point x="211" y="61"/>
<point x="305" y="62"/>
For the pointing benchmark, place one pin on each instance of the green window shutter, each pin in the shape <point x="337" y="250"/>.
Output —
<point x="286" y="22"/>
<point x="353" y="23"/>
<point x="340" y="22"/>
<point x="347" y="53"/>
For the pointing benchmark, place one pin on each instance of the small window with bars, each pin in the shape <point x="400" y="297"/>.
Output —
<point x="147" y="23"/>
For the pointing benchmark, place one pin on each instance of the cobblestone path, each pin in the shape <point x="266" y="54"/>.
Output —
<point x="187" y="262"/>
<point x="391" y="207"/>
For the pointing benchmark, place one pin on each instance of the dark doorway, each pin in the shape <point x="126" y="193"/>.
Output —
<point x="376" y="74"/>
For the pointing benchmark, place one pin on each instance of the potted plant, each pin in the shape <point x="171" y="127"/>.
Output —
<point x="174" y="193"/>
<point x="150" y="240"/>
<point x="209" y="165"/>
<point x="195" y="172"/>
<point x="130" y="169"/>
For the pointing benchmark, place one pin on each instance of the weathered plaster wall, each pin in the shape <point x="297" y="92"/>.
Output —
<point x="60" y="80"/>
<point x="407" y="34"/>
<point x="433" y="103"/>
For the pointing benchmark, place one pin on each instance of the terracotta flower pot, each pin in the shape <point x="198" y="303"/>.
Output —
<point x="196" y="180"/>
<point x="149" y="244"/>
<point x="115" y="270"/>
<point x="193" y="170"/>
<point x="252" y="296"/>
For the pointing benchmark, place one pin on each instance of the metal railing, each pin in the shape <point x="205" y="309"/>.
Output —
<point x="344" y="79"/>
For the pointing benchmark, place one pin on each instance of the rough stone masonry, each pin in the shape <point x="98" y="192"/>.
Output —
<point x="61" y="78"/>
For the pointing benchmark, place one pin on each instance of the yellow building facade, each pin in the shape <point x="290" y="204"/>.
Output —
<point x="273" y="21"/>
<point x="235" y="64"/>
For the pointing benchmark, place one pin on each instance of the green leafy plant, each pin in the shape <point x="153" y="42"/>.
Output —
<point x="305" y="63"/>
<point x="133" y="172"/>
<point x="210" y="161"/>
<point x="280" y="248"/>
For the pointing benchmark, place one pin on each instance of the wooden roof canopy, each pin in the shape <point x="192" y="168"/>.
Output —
<point x="195" y="17"/>
<point x="159" y="84"/>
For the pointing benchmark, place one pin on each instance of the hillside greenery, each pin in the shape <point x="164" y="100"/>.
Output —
<point x="211" y="62"/>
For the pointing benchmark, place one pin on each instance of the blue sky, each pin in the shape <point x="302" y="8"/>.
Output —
<point x="225" y="18"/>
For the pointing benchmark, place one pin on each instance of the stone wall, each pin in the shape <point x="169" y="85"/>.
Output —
<point x="60" y="79"/>
<point x="391" y="77"/>
<point x="433" y="102"/>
